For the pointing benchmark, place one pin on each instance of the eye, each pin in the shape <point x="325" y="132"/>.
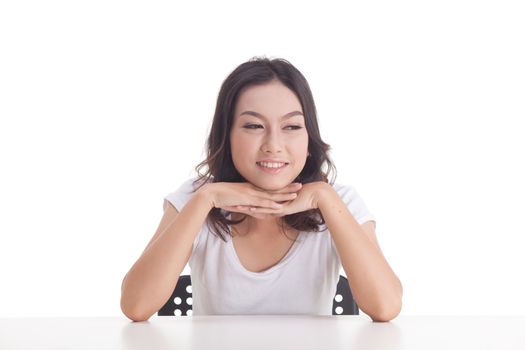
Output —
<point x="257" y="126"/>
<point x="252" y="126"/>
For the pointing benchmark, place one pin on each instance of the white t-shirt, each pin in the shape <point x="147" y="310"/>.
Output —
<point x="303" y="282"/>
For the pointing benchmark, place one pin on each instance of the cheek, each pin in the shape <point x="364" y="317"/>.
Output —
<point x="244" y="141"/>
<point x="300" y="145"/>
<point x="241" y="145"/>
<point x="236" y="140"/>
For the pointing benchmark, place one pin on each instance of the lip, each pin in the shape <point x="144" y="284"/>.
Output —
<point x="272" y="170"/>
<point x="273" y="161"/>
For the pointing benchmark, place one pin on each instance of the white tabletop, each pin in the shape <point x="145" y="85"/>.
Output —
<point x="265" y="332"/>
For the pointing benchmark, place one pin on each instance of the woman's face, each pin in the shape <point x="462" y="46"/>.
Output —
<point x="269" y="125"/>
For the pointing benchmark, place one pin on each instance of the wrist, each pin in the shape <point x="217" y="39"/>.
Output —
<point x="207" y="193"/>
<point x="322" y="194"/>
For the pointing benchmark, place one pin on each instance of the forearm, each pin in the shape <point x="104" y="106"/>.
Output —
<point x="151" y="280"/>
<point x="375" y="287"/>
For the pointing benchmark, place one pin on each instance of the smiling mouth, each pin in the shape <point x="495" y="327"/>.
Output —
<point x="271" y="168"/>
<point x="272" y="165"/>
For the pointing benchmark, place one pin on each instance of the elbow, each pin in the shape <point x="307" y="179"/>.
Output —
<point x="131" y="308"/>
<point x="133" y="313"/>
<point x="135" y="316"/>
<point x="385" y="316"/>
<point x="390" y="310"/>
<point x="387" y="312"/>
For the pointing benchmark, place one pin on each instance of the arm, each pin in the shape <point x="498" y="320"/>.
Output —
<point x="375" y="287"/>
<point x="151" y="280"/>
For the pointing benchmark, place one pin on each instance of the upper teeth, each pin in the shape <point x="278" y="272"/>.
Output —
<point x="271" y="165"/>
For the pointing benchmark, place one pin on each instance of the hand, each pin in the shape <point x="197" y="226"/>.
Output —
<point x="240" y="196"/>
<point x="307" y="199"/>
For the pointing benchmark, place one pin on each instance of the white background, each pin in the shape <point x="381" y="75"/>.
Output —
<point x="105" y="107"/>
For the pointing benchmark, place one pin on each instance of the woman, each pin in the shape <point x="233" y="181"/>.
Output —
<point x="263" y="230"/>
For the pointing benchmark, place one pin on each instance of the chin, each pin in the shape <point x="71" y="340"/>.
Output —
<point x="271" y="184"/>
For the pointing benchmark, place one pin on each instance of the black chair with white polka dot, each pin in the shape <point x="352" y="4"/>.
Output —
<point x="180" y="302"/>
<point x="344" y="303"/>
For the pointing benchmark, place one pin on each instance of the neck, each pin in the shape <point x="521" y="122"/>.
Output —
<point x="254" y="225"/>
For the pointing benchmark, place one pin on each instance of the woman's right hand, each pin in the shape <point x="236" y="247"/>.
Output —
<point x="241" y="196"/>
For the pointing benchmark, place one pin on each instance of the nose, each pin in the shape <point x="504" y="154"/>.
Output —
<point x="272" y="142"/>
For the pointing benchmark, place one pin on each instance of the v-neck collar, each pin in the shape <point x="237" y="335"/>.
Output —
<point x="234" y="257"/>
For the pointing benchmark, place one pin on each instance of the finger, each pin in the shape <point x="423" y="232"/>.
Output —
<point x="283" y="212"/>
<point x="245" y="210"/>
<point x="280" y="197"/>
<point x="260" y="210"/>
<point x="230" y="208"/>
<point x="238" y="208"/>
<point x="273" y="200"/>
<point x="263" y="203"/>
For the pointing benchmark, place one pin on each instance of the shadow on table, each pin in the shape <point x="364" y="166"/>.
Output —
<point x="145" y="335"/>
<point x="263" y="332"/>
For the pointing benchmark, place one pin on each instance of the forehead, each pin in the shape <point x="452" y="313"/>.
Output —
<point x="271" y="99"/>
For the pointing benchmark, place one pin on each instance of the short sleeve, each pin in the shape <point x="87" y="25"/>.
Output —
<point x="354" y="203"/>
<point x="179" y="198"/>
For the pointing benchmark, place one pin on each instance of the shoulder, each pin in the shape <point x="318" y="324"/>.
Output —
<point x="183" y="193"/>
<point x="346" y="192"/>
<point x="344" y="189"/>
<point x="355" y="203"/>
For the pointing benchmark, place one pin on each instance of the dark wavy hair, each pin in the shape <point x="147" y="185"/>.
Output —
<point x="219" y="163"/>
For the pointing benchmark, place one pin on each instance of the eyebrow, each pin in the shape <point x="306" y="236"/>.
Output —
<point x="260" y="116"/>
